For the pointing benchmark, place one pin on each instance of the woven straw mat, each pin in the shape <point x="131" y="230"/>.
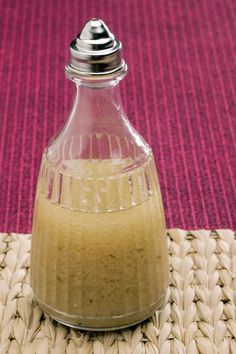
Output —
<point x="199" y="317"/>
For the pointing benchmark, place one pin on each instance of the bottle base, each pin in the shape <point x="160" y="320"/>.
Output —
<point x="101" y="329"/>
<point x="103" y="323"/>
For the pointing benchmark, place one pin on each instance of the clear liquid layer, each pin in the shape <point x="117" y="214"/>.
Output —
<point x="107" y="267"/>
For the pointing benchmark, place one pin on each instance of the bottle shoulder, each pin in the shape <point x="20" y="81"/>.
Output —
<point x="108" y="161"/>
<point x="121" y="146"/>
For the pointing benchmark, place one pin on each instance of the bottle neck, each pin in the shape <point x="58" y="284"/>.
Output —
<point x="97" y="103"/>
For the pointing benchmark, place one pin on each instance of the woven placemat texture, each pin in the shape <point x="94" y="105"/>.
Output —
<point x="198" y="318"/>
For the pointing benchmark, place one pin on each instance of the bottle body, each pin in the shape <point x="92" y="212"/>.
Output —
<point x="99" y="269"/>
<point x="99" y="255"/>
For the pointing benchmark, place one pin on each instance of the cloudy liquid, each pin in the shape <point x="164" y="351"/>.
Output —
<point x="99" y="269"/>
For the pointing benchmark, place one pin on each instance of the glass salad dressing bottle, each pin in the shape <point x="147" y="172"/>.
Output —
<point x="99" y="255"/>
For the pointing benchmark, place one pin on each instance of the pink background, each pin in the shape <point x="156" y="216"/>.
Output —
<point x="179" y="93"/>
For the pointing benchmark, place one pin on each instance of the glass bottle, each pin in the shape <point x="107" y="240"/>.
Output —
<point x="99" y="255"/>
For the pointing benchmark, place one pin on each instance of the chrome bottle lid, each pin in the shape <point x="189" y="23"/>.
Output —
<point x="95" y="53"/>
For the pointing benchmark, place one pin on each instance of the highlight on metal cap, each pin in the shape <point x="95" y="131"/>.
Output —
<point x="95" y="53"/>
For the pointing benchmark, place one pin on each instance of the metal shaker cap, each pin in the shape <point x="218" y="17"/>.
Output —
<point x="95" y="53"/>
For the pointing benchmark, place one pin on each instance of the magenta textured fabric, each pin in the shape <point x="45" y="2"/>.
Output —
<point x="180" y="93"/>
